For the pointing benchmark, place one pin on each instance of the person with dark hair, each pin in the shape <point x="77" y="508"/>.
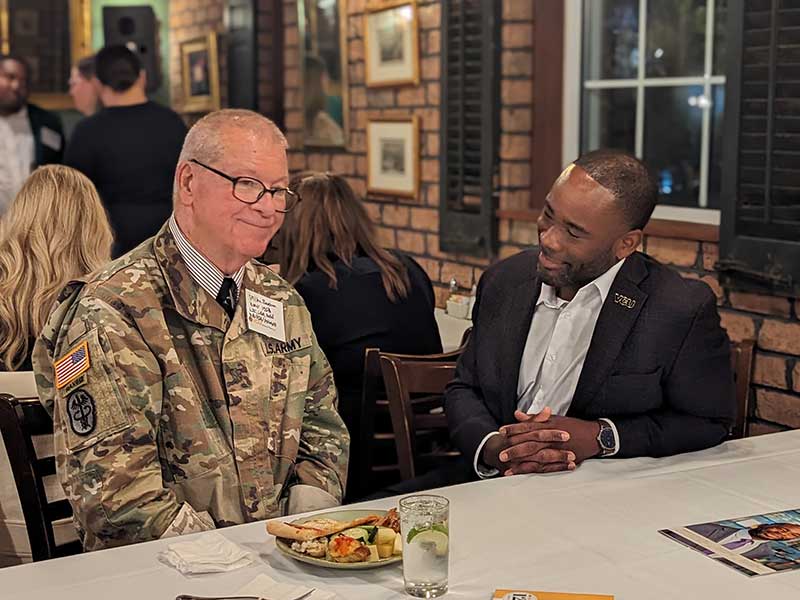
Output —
<point x="359" y="294"/>
<point x="84" y="87"/>
<point x="129" y="149"/>
<point x="29" y="136"/>
<point x="585" y="347"/>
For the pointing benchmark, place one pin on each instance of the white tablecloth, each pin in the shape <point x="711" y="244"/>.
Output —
<point x="450" y="329"/>
<point x="594" y="530"/>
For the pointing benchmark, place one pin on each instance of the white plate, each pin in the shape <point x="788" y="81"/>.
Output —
<point x="338" y="515"/>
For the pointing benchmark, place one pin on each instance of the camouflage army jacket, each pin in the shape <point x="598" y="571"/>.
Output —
<point x="170" y="417"/>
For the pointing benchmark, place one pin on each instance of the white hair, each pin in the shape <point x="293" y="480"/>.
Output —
<point x="205" y="141"/>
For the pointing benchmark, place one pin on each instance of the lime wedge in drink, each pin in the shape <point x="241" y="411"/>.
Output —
<point x="432" y="536"/>
<point x="416" y="530"/>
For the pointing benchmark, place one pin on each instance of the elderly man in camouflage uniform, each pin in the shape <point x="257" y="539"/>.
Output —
<point x="186" y="385"/>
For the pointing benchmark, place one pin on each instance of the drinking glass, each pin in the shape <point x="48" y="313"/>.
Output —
<point x="425" y="527"/>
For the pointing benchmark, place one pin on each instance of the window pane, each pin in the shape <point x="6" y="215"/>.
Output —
<point x="609" y="119"/>
<point x="716" y="152"/>
<point x="720" y="35"/>
<point x="611" y="39"/>
<point x="672" y="138"/>
<point x="675" y="38"/>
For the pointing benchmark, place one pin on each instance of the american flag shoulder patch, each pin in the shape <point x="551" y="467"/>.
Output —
<point x="73" y="364"/>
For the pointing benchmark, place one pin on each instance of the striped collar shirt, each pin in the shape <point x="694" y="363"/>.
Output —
<point x="202" y="270"/>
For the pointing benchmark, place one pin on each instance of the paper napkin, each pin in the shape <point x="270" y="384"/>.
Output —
<point x="207" y="553"/>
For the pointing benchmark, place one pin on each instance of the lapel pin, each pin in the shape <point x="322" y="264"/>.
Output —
<point x="624" y="301"/>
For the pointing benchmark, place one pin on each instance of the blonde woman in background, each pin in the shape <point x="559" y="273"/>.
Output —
<point x="55" y="230"/>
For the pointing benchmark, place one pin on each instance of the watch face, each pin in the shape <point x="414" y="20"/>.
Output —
<point x="607" y="439"/>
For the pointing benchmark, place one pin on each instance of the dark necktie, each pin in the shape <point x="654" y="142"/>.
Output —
<point x="227" y="296"/>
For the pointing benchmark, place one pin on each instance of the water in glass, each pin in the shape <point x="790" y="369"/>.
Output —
<point x="425" y="527"/>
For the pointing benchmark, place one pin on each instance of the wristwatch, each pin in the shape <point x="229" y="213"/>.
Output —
<point x="606" y="439"/>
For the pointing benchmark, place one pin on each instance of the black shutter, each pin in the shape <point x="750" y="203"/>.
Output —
<point x="760" y="232"/>
<point x="470" y="125"/>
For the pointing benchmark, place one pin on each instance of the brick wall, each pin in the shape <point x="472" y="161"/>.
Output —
<point x="190" y="19"/>
<point x="771" y="320"/>
<point x="413" y="225"/>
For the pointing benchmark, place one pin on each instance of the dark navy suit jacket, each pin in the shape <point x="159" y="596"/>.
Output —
<point x="658" y="364"/>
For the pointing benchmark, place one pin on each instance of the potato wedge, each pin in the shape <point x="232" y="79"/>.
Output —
<point x="373" y="553"/>
<point x="384" y="536"/>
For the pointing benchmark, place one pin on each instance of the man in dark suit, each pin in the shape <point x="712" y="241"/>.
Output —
<point x="29" y="136"/>
<point x="585" y="347"/>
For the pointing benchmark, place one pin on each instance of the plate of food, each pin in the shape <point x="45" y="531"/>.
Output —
<point x="342" y="539"/>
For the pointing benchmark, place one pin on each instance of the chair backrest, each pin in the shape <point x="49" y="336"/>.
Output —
<point x="415" y="389"/>
<point x="21" y="419"/>
<point x="465" y="338"/>
<point x="372" y="443"/>
<point x="742" y="354"/>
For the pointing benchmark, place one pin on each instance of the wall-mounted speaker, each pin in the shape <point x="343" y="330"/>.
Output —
<point x="137" y="28"/>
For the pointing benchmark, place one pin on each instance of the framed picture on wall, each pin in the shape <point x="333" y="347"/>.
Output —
<point x="391" y="43"/>
<point x="51" y="35"/>
<point x="393" y="156"/>
<point x="322" y="28"/>
<point x="200" y="74"/>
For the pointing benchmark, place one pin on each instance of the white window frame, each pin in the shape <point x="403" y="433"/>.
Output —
<point x="571" y="124"/>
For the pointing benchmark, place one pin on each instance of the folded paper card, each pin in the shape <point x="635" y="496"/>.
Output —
<point x="266" y="587"/>
<point x="529" y="595"/>
<point x="753" y="545"/>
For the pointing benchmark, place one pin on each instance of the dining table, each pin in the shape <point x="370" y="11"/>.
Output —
<point x="592" y="530"/>
<point x="451" y="329"/>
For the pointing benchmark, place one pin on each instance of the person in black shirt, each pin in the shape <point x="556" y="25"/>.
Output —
<point x="129" y="149"/>
<point x="359" y="294"/>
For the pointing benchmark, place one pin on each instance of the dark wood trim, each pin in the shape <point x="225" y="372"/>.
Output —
<point x="680" y="230"/>
<point x="517" y="215"/>
<point x="683" y="230"/>
<point x="269" y="59"/>
<point x="548" y="91"/>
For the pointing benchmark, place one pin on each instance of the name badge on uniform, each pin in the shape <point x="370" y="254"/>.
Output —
<point x="50" y="138"/>
<point x="265" y="315"/>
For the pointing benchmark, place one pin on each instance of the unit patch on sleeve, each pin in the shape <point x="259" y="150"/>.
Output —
<point x="72" y="365"/>
<point x="82" y="412"/>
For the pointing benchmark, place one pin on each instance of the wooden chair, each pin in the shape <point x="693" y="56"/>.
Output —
<point x="373" y="451"/>
<point x="742" y="354"/>
<point x="465" y="338"/>
<point x="21" y="419"/>
<point x="415" y="390"/>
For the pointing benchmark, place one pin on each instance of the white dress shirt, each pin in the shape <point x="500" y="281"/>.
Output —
<point x="202" y="270"/>
<point x="16" y="154"/>
<point x="558" y="340"/>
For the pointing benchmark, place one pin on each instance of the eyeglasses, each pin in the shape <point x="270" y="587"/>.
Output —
<point x="250" y="190"/>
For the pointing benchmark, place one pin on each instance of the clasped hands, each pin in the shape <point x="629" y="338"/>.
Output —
<point x="541" y="443"/>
